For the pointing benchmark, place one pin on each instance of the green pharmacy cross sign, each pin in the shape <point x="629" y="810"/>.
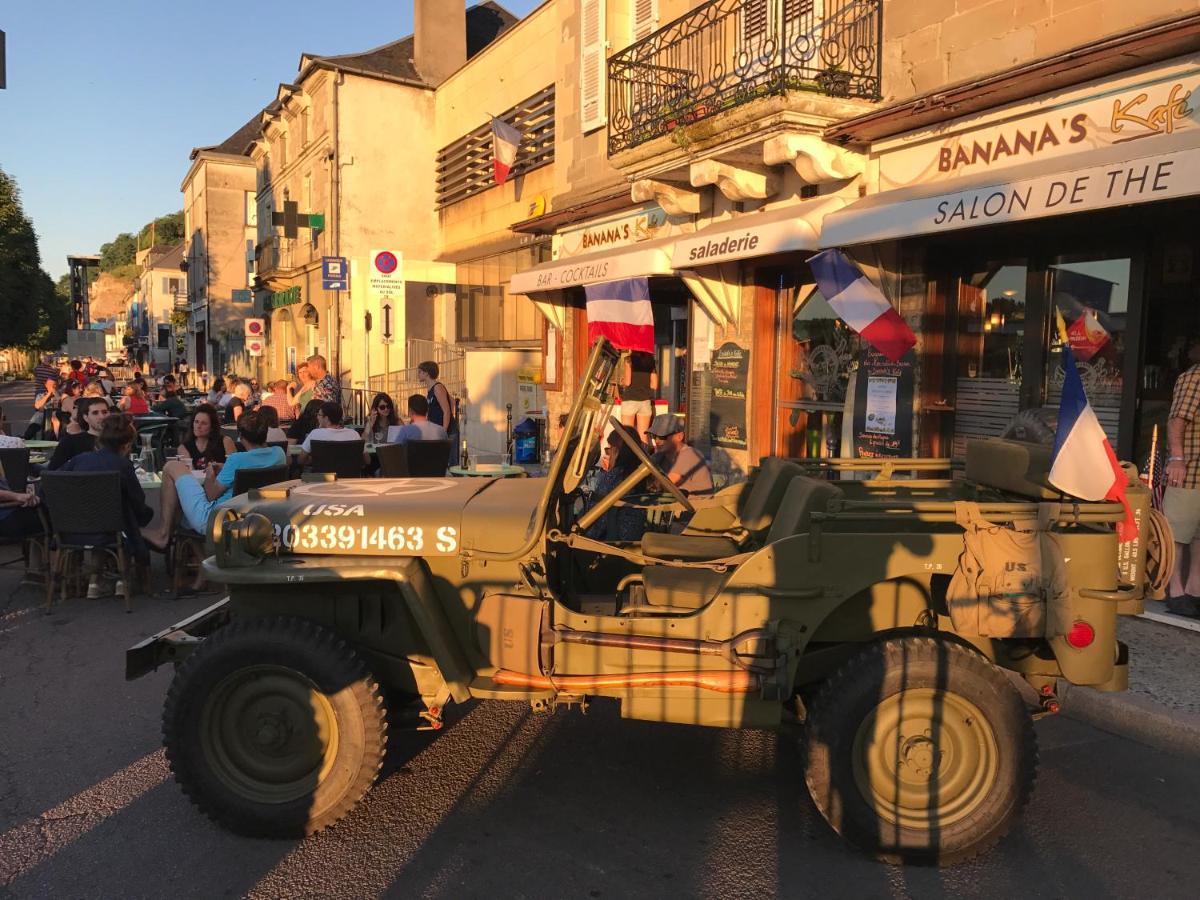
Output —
<point x="292" y="220"/>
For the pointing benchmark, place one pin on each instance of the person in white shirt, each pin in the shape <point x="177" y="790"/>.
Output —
<point x="419" y="427"/>
<point x="329" y="428"/>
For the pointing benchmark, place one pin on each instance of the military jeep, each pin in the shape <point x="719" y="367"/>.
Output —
<point x="813" y="600"/>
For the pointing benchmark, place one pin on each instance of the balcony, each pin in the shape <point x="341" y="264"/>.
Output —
<point x="730" y="53"/>
<point x="275" y="254"/>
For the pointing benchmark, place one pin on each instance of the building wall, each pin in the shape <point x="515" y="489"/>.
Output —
<point x="929" y="44"/>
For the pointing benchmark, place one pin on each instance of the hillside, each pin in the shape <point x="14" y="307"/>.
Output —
<point x="108" y="296"/>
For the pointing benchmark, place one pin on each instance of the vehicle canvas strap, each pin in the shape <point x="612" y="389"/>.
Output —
<point x="581" y="542"/>
<point x="1009" y="582"/>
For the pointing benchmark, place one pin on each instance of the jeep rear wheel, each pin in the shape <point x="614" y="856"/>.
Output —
<point x="274" y="728"/>
<point x="920" y="750"/>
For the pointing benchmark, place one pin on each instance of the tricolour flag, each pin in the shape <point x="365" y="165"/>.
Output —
<point x="1083" y="464"/>
<point x="621" y="312"/>
<point x="505" y="141"/>
<point x="860" y="304"/>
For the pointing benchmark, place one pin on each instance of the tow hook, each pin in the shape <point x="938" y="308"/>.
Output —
<point x="1049" y="701"/>
<point x="432" y="715"/>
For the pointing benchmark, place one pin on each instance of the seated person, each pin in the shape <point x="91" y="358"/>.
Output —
<point x="329" y="428"/>
<point x="239" y="402"/>
<point x="382" y="418"/>
<point x="96" y="389"/>
<point x="621" y="523"/>
<point x="275" y="434"/>
<point x="206" y="443"/>
<point x="18" y="514"/>
<point x="681" y="462"/>
<point x="306" y="422"/>
<point x="195" y="499"/>
<point x="133" y="401"/>
<point x="419" y="427"/>
<point x="171" y="404"/>
<point x="91" y="413"/>
<point x="280" y="400"/>
<point x="117" y="437"/>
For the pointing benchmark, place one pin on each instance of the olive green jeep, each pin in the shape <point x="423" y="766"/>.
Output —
<point x="833" y="605"/>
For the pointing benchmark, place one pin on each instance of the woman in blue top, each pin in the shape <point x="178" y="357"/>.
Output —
<point x="196" y="499"/>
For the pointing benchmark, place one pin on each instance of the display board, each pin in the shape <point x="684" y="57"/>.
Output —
<point x="883" y="404"/>
<point x="727" y="407"/>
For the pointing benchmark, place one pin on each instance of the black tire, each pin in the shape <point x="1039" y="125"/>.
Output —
<point x="296" y="772"/>
<point x="963" y="713"/>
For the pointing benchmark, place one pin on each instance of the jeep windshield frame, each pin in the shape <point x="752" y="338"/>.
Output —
<point x="583" y="431"/>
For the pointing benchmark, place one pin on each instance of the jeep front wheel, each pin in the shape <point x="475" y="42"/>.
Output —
<point x="920" y="750"/>
<point x="274" y="728"/>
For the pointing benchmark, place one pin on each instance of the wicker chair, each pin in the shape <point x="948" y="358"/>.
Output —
<point x="414" y="459"/>
<point x="89" y="504"/>
<point x="343" y="458"/>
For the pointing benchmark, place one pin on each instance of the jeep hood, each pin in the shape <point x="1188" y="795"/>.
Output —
<point x="396" y="516"/>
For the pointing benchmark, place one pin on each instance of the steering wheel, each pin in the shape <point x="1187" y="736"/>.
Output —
<point x="648" y="464"/>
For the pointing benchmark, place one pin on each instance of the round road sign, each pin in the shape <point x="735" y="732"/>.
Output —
<point x="385" y="262"/>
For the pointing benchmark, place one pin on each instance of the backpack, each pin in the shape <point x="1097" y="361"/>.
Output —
<point x="1009" y="583"/>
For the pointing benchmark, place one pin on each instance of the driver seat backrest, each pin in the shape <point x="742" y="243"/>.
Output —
<point x="805" y="495"/>
<point x="757" y="511"/>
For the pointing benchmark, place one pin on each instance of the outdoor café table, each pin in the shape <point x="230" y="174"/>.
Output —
<point x="488" y="470"/>
<point x="152" y="485"/>
<point x="41" y="445"/>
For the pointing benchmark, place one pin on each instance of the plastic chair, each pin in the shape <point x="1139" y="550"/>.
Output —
<point x="343" y="458"/>
<point x="89" y="504"/>
<point x="414" y="459"/>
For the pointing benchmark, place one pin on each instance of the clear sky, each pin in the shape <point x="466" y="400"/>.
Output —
<point x="106" y="98"/>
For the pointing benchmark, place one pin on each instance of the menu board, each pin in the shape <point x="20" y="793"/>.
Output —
<point x="727" y="410"/>
<point x="883" y="405"/>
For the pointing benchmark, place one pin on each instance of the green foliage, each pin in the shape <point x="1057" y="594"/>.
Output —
<point x="165" y="231"/>
<point x="120" y="251"/>
<point x="27" y="295"/>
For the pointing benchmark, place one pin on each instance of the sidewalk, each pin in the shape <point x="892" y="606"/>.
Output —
<point x="1162" y="706"/>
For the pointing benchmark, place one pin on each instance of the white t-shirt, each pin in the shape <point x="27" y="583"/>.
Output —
<point x="329" y="434"/>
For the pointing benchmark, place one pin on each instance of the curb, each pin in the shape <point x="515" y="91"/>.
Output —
<point x="1133" y="716"/>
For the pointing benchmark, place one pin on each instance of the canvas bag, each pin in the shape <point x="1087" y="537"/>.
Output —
<point x="1009" y="582"/>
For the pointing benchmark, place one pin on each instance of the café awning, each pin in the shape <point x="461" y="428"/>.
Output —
<point x="633" y="261"/>
<point x="1116" y="176"/>
<point x="761" y="233"/>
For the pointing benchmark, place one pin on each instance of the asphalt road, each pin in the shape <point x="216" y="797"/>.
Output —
<point x="505" y="803"/>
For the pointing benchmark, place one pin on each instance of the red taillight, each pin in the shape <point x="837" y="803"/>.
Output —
<point x="1081" y="635"/>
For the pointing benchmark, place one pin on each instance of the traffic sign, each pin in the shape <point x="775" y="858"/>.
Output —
<point x="255" y="336"/>
<point x="387" y="323"/>
<point x="385" y="275"/>
<point x="335" y="273"/>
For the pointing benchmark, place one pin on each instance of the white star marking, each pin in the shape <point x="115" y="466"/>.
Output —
<point x="374" y="487"/>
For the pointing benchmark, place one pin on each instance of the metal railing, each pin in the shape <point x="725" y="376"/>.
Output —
<point x="399" y="383"/>
<point x="728" y="52"/>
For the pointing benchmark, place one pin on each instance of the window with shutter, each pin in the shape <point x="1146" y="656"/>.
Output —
<point x="592" y="62"/>
<point x="645" y="18"/>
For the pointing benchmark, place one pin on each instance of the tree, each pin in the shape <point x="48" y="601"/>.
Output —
<point x="21" y="287"/>
<point x="120" y="251"/>
<point x="164" y="231"/>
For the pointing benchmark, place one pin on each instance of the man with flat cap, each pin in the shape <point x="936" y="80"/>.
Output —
<point x="681" y="462"/>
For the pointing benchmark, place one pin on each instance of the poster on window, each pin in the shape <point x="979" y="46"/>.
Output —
<point x="883" y="405"/>
<point x="727" y="407"/>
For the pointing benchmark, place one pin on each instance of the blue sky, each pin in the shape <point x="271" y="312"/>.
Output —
<point x="106" y="99"/>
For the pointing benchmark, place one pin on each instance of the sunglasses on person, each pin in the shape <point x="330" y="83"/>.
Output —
<point x="383" y="406"/>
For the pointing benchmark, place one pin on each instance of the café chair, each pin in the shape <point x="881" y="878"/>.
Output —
<point x="343" y="458"/>
<point x="89" y="504"/>
<point x="414" y="459"/>
<point x="14" y="467"/>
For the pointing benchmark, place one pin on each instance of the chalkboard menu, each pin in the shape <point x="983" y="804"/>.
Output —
<point x="727" y="410"/>
<point x="883" y="404"/>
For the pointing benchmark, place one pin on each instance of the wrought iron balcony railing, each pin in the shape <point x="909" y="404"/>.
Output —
<point x="729" y="52"/>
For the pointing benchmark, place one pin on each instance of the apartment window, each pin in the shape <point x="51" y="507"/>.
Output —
<point x="593" y="58"/>
<point x="283" y="149"/>
<point x="170" y="286"/>
<point x="164" y="337"/>
<point x="485" y="311"/>
<point x="305" y="134"/>
<point x="644" y="17"/>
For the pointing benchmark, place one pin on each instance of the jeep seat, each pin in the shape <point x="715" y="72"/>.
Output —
<point x="756" y="508"/>
<point x="804" y="497"/>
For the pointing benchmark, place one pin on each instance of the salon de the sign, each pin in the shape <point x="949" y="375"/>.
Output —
<point x="1152" y="105"/>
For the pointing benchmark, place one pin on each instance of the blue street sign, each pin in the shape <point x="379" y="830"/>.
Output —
<point x="335" y="273"/>
<point x="242" y="296"/>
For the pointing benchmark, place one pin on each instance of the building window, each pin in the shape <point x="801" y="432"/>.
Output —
<point x="283" y="149"/>
<point x="305" y="133"/>
<point x="593" y="59"/>
<point x="486" y="313"/>
<point x="251" y="209"/>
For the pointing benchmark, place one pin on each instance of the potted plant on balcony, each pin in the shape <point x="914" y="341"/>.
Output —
<point x="834" y="81"/>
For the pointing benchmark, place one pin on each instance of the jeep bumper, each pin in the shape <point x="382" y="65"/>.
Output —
<point x="174" y="643"/>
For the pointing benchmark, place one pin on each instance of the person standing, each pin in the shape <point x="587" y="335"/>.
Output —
<point x="638" y="389"/>
<point x="324" y="388"/>
<point x="1181" y="500"/>
<point x="680" y="462"/>
<point x="441" y="408"/>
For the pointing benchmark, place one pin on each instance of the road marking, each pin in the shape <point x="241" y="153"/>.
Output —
<point x="1172" y="619"/>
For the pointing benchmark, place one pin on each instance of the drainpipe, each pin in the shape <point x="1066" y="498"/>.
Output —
<point x="335" y="191"/>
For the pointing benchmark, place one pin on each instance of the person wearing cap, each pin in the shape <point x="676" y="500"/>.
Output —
<point x="681" y="462"/>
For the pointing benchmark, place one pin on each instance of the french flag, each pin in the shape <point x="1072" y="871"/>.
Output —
<point x="505" y="141"/>
<point x="1083" y="464"/>
<point x="621" y="312"/>
<point x="860" y="304"/>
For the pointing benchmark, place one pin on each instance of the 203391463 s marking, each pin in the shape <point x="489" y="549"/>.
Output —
<point x="920" y="750"/>
<point x="274" y="728"/>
